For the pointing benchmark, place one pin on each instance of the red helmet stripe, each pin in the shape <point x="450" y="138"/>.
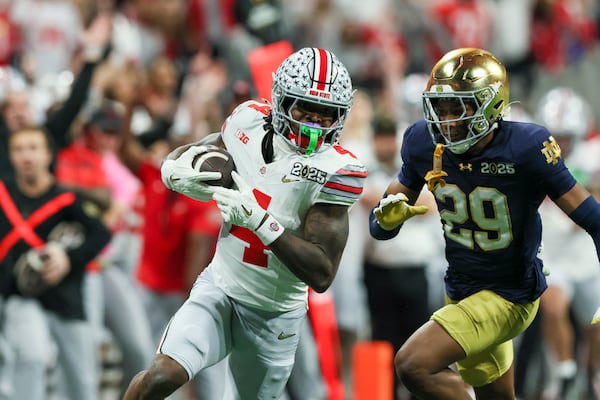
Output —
<point x="323" y="65"/>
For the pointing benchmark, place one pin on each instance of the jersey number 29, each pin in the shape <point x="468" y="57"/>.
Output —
<point x="488" y="209"/>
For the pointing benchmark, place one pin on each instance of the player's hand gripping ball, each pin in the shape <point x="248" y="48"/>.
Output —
<point x="215" y="159"/>
<point x="198" y="170"/>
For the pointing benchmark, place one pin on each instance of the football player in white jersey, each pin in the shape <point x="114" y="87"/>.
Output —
<point x="285" y="227"/>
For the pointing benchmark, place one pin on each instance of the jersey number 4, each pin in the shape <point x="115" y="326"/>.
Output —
<point x="486" y="207"/>
<point x="255" y="252"/>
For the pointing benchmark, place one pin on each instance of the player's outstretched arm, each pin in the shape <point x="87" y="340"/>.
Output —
<point x="393" y="210"/>
<point x="584" y="210"/>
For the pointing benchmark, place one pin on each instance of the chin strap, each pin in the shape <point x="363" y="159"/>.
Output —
<point x="436" y="175"/>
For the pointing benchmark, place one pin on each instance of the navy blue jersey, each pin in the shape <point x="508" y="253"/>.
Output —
<point x="488" y="207"/>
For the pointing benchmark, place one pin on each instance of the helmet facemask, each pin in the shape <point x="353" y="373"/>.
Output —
<point x="316" y="82"/>
<point x="476" y="117"/>
<point x="474" y="83"/>
<point x="308" y="136"/>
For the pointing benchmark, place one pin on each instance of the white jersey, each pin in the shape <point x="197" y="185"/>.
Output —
<point x="288" y="187"/>
<point x="568" y="250"/>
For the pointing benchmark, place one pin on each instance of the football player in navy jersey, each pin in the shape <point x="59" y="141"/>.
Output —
<point x="488" y="177"/>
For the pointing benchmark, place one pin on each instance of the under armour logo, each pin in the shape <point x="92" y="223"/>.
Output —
<point x="465" y="167"/>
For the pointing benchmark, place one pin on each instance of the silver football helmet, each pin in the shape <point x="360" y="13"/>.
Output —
<point x="565" y="113"/>
<point x="310" y="76"/>
<point x="472" y="79"/>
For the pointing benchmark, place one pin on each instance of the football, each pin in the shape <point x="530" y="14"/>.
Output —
<point x="215" y="159"/>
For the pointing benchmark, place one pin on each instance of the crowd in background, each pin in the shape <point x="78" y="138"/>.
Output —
<point x="119" y="83"/>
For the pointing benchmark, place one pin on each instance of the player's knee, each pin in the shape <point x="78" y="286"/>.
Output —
<point x="408" y="369"/>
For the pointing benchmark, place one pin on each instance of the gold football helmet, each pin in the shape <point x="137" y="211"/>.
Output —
<point x="475" y="85"/>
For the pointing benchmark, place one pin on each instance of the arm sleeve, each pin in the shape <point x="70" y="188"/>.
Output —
<point x="59" y="123"/>
<point x="377" y="232"/>
<point x="587" y="216"/>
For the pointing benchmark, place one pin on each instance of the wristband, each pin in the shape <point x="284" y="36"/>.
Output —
<point x="269" y="230"/>
<point x="377" y="232"/>
<point x="587" y="216"/>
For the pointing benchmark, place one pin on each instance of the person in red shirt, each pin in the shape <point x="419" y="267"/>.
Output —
<point x="111" y="297"/>
<point x="179" y="237"/>
<point x="80" y="169"/>
<point x="560" y="34"/>
<point x="459" y="23"/>
<point x="178" y="234"/>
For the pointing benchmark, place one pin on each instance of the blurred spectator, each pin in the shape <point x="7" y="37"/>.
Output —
<point x="179" y="237"/>
<point x="396" y="270"/>
<point x="358" y="128"/>
<point x="10" y="36"/>
<point x="16" y="104"/>
<point x="407" y="101"/>
<point x="562" y="32"/>
<point x="261" y="18"/>
<point x="511" y="43"/>
<point x="80" y="168"/>
<point x="387" y="70"/>
<point x="348" y="288"/>
<point x="207" y="79"/>
<point x="460" y="23"/>
<point x="210" y="22"/>
<point x="175" y="62"/>
<point x="318" y="23"/>
<point x="152" y="93"/>
<point x="136" y="38"/>
<point x="116" y="303"/>
<point x="51" y="35"/>
<point x="571" y="299"/>
<point x="241" y="91"/>
<point x="63" y="233"/>
<point x="413" y="27"/>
